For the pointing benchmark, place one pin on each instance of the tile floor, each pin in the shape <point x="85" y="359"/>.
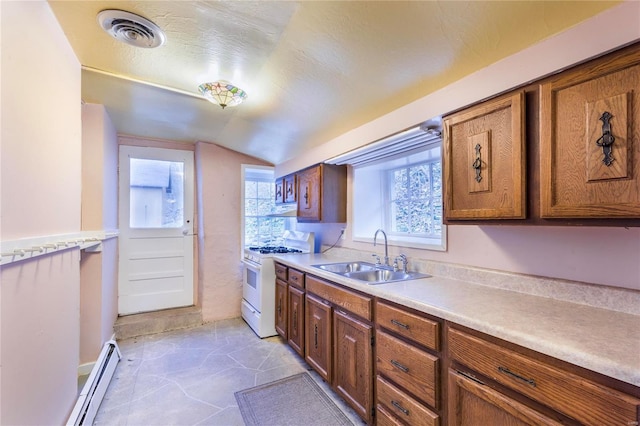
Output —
<point x="188" y="377"/>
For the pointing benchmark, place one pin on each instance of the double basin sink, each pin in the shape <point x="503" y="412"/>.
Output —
<point x="368" y="272"/>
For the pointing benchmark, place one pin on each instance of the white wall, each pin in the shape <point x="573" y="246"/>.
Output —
<point x="40" y="184"/>
<point x="605" y="256"/>
<point x="98" y="271"/>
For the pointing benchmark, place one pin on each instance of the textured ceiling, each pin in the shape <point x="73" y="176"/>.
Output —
<point x="313" y="69"/>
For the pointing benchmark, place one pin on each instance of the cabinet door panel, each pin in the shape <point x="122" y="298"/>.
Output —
<point x="484" y="161"/>
<point x="318" y="336"/>
<point x="281" y="308"/>
<point x="295" y="331"/>
<point x="290" y="189"/>
<point x="309" y="194"/>
<point x="579" y="176"/>
<point x="472" y="403"/>
<point x="353" y="357"/>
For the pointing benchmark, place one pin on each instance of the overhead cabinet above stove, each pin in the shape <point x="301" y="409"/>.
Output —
<point x="320" y="193"/>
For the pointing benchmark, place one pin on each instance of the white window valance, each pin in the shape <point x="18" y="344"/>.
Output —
<point x="408" y="140"/>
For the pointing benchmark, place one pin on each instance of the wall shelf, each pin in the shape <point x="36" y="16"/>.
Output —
<point x="29" y="248"/>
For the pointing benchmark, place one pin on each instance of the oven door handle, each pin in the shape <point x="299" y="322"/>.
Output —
<point x="251" y="264"/>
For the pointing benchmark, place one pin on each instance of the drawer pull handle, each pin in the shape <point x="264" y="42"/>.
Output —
<point x="399" y="324"/>
<point x="399" y="366"/>
<point x="400" y="407"/>
<point x="530" y="382"/>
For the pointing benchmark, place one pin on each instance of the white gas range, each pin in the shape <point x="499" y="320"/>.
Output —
<point x="259" y="280"/>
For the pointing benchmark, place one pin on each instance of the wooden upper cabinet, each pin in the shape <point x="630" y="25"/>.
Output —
<point x="289" y="188"/>
<point x="590" y="139"/>
<point x="279" y="191"/>
<point x="322" y="193"/>
<point x="484" y="161"/>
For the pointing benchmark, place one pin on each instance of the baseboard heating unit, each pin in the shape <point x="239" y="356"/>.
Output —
<point x="94" y="389"/>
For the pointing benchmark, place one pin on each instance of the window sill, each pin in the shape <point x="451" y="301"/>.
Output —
<point x="434" y="244"/>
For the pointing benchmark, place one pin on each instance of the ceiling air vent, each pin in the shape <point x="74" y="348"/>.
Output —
<point x="131" y="29"/>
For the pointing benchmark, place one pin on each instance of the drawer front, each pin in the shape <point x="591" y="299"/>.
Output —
<point x="385" y="418"/>
<point x="411" y="368"/>
<point x="281" y="271"/>
<point x="296" y="278"/>
<point x="352" y="302"/>
<point x="421" y="330"/>
<point x="402" y="406"/>
<point x="577" y="397"/>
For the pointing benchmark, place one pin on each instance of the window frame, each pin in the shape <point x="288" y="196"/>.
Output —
<point x="244" y="178"/>
<point x="418" y="241"/>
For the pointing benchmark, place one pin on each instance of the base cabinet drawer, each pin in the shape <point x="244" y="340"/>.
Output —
<point x="384" y="418"/>
<point x="473" y="403"/>
<point x="586" y="401"/>
<point x="421" y="330"/>
<point x="402" y="408"/>
<point x="409" y="367"/>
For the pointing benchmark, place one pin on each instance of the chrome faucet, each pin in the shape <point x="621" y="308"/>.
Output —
<point x="386" y="250"/>
<point x="402" y="258"/>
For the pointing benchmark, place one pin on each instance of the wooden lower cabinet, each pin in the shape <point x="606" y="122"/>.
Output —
<point x="296" y="319"/>
<point x="318" y="336"/>
<point x="546" y="383"/>
<point x="353" y="357"/>
<point x="471" y="403"/>
<point x="281" y="308"/>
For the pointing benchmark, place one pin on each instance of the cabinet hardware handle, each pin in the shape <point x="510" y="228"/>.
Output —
<point x="399" y="366"/>
<point x="399" y="324"/>
<point x="279" y="306"/>
<point x="530" y="382"/>
<point x="606" y="140"/>
<point x="315" y="335"/>
<point x="400" y="407"/>
<point x="470" y="377"/>
<point x="295" y="320"/>
<point x="477" y="164"/>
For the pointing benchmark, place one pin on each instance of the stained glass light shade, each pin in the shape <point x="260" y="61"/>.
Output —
<point x="222" y="93"/>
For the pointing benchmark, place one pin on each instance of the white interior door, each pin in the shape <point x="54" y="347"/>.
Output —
<point x="156" y="229"/>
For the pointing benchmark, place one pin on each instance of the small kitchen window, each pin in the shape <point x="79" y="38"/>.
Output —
<point x="258" y="204"/>
<point x="397" y="186"/>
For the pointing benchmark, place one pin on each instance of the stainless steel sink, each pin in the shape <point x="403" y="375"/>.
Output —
<point x="368" y="272"/>
<point x="346" y="267"/>
<point x="380" y="276"/>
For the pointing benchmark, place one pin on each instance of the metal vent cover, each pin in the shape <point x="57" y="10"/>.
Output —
<point x="131" y="28"/>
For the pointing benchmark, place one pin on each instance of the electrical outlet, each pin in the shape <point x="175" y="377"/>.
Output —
<point x="343" y="235"/>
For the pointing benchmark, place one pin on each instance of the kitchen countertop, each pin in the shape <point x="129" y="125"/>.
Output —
<point x="601" y="340"/>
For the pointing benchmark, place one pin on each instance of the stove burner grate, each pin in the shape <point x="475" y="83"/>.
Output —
<point x="274" y="249"/>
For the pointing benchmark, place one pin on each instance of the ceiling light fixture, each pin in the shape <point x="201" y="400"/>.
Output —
<point x="222" y="93"/>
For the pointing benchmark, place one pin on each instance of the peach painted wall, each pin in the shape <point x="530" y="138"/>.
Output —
<point x="98" y="271"/>
<point x="605" y="256"/>
<point x="40" y="184"/>
<point x="218" y="175"/>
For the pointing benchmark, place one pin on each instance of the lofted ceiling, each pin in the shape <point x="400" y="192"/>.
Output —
<point x="312" y="69"/>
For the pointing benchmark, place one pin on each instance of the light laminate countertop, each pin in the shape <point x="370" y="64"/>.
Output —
<point x="601" y="340"/>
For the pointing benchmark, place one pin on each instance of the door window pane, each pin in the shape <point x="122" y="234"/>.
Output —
<point x="156" y="193"/>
